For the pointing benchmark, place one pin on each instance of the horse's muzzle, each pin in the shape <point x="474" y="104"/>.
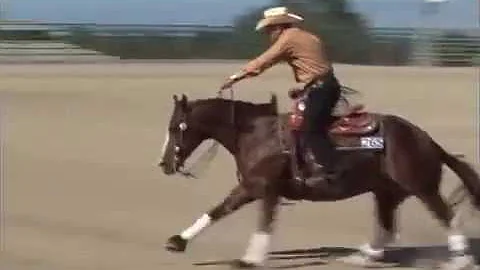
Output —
<point x="168" y="170"/>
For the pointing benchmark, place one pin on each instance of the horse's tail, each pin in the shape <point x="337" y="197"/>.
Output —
<point x="465" y="172"/>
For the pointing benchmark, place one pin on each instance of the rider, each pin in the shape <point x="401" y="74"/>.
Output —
<point x="306" y="55"/>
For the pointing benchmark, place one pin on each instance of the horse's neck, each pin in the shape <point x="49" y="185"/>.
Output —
<point x="224" y="131"/>
<point x="226" y="137"/>
<point x="236" y="121"/>
<point x="261" y="141"/>
<point x="232" y="135"/>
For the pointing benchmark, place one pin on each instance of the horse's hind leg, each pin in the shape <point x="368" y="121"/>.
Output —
<point x="237" y="198"/>
<point x="387" y="202"/>
<point x="457" y="242"/>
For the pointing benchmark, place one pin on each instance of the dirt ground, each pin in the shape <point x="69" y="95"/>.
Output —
<point x="82" y="190"/>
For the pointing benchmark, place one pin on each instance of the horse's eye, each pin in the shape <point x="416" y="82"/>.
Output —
<point x="183" y="126"/>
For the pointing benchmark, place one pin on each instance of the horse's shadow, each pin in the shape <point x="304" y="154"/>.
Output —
<point x="396" y="257"/>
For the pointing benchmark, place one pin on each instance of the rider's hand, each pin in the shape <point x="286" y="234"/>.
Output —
<point x="232" y="80"/>
<point x="228" y="84"/>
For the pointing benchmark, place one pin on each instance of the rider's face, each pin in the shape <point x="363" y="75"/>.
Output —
<point x="273" y="32"/>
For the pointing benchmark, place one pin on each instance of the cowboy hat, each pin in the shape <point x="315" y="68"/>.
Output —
<point x="275" y="16"/>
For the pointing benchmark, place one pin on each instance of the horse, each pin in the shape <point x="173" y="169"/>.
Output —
<point x="387" y="155"/>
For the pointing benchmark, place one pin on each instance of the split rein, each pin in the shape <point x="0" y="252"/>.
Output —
<point x="202" y="162"/>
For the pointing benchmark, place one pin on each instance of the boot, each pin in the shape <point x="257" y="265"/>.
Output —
<point x="327" y="175"/>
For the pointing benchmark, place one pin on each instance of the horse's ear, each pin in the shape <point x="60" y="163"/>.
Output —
<point x="175" y="98"/>
<point x="184" y="101"/>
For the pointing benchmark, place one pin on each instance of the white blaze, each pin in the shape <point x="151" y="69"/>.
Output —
<point x="165" y="144"/>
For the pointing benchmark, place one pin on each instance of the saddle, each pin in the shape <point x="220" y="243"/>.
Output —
<point x="351" y="121"/>
<point x="352" y="128"/>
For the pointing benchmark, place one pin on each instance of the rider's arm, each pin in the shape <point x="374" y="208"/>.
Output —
<point x="270" y="57"/>
<point x="273" y="55"/>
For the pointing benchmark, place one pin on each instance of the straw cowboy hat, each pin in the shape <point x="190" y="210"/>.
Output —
<point x="277" y="15"/>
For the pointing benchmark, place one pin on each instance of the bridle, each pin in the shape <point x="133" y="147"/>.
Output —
<point x="207" y="156"/>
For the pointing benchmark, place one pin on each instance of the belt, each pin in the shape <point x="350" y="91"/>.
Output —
<point x="320" y="80"/>
<point x="314" y="83"/>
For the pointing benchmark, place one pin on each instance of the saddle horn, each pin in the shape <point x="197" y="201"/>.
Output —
<point x="274" y="103"/>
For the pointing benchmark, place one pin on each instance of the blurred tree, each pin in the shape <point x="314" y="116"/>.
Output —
<point x="344" y="31"/>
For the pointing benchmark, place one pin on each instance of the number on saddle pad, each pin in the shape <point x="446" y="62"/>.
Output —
<point x="371" y="142"/>
<point x="374" y="143"/>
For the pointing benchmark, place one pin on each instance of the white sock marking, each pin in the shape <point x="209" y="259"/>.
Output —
<point x="373" y="253"/>
<point x="457" y="243"/>
<point x="201" y="223"/>
<point x="258" y="248"/>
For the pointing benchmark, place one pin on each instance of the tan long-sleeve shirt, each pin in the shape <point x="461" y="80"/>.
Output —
<point x="303" y="51"/>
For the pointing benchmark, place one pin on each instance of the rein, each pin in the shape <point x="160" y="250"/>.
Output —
<point x="202" y="162"/>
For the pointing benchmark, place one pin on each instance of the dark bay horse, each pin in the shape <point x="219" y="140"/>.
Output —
<point x="405" y="162"/>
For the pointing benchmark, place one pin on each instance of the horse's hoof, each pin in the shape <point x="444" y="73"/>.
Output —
<point x="463" y="262"/>
<point x="357" y="259"/>
<point x="176" y="244"/>
<point x="240" y="264"/>
<point x="361" y="260"/>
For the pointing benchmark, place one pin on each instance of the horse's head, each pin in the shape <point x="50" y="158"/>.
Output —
<point x="183" y="136"/>
<point x="193" y="122"/>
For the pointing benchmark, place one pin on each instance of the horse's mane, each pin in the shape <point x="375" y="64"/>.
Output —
<point x="240" y="106"/>
<point x="240" y="103"/>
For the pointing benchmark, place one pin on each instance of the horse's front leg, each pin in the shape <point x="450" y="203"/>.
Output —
<point x="259" y="245"/>
<point x="237" y="198"/>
